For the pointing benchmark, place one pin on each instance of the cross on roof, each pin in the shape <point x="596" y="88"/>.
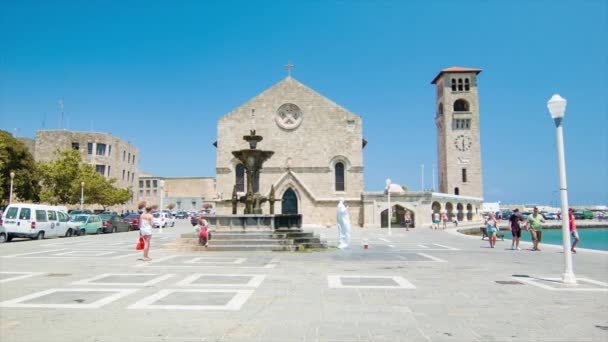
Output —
<point x="289" y="66"/>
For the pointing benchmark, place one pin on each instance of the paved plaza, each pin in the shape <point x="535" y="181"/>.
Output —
<point x="421" y="285"/>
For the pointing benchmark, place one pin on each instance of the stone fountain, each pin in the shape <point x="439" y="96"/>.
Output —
<point x="253" y="217"/>
<point x="252" y="160"/>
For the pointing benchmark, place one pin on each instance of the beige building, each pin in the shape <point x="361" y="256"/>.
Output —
<point x="110" y="156"/>
<point x="187" y="193"/>
<point x="318" y="158"/>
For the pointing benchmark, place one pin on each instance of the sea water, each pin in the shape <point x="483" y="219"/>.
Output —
<point x="592" y="238"/>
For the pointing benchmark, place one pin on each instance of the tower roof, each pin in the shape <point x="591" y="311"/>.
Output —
<point x="455" y="69"/>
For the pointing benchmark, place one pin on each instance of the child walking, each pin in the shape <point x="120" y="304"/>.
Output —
<point x="203" y="232"/>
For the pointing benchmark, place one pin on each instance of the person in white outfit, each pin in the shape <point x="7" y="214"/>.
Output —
<point x="145" y="230"/>
<point x="343" y="220"/>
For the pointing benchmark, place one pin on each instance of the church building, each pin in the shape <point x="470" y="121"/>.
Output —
<point x="318" y="157"/>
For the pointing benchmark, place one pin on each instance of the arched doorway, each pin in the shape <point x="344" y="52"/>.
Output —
<point x="398" y="217"/>
<point x="449" y="207"/>
<point x="289" y="202"/>
<point x="435" y="208"/>
<point x="469" y="212"/>
<point x="459" y="211"/>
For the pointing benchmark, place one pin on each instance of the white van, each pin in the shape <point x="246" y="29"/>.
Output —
<point x="35" y="221"/>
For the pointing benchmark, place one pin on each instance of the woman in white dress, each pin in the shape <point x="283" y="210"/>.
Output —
<point x="145" y="230"/>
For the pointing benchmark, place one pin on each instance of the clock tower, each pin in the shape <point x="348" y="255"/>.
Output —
<point x="457" y="121"/>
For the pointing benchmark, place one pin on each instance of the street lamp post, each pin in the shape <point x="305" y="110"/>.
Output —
<point x="422" y="177"/>
<point x="433" y="176"/>
<point x="10" y="196"/>
<point x="390" y="212"/>
<point x="81" y="195"/>
<point x="557" y="109"/>
<point x="162" y="186"/>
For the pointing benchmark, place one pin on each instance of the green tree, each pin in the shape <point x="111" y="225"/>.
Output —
<point x="60" y="178"/>
<point x="15" y="157"/>
<point x="113" y="195"/>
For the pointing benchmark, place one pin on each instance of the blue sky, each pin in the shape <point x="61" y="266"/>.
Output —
<point x="160" y="74"/>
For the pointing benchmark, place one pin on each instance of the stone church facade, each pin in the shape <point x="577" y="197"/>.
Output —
<point x="318" y="152"/>
<point x="318" y="159"/>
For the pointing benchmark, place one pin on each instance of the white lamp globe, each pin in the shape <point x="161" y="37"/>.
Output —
<point x="557" y="106"/>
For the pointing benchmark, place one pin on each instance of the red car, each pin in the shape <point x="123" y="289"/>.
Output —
<point x="133" y="219"/>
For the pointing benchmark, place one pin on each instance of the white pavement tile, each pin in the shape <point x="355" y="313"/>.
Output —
<point x="335" y="281"/>
<point x="254" y="281"/>
<point x="18" y="302"/>
<point x="234" y="304"/>
<point x="94" y="280"/>
<point x="18" y="275"/>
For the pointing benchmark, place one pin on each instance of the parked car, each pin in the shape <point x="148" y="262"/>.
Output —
<point x="133" y="219"/>
<point x="109" y="212"/>
<point x="583" y="215"/>
<point x="34" y="221"/>
<point x="113" y="223"/>
<point x="2" y="234"/>
<point x="193" y="220"/>
<point x="80" y="212"/>
<point x="163" y="220"/>
<point x="87" y="224"/>
<point x="551" y="216"/>
<point x="181" y="215"/>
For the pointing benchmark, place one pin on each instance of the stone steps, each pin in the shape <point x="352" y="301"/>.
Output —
<point x="218" y="241"/>
<point x="284" y="239"/>
<point x="237" y="236"/>
<point x="233" y="248"/>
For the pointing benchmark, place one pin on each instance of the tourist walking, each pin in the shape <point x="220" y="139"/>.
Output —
<point x="343" y="220"/>
<point x="573" y="231"/>
<point x="491" y="229"/>
<point x="408" y="221"/>
<point x="436" y="220"/>
<point x="534" y="225"/>
<point x="146" y="221"/>
<point x="444" y="218"/>
<point x="515" y="225"/>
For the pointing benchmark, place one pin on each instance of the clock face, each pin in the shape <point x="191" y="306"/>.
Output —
<point x="462" y="143"/>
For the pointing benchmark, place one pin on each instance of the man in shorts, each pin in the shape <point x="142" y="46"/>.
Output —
<point x="515" y="221"/>
<point x="534" y="225"/>
<point x="573" y="231"/>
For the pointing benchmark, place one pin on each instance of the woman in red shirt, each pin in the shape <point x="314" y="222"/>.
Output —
<point x="573" y="231"/>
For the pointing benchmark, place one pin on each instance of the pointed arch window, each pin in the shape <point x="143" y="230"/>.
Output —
<point x="467" y="86"/>
<point x="339" y="172"/>
<point x="453" y="84"/>
<point x="240" y="178"/>
<point x="460" y="84"/>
